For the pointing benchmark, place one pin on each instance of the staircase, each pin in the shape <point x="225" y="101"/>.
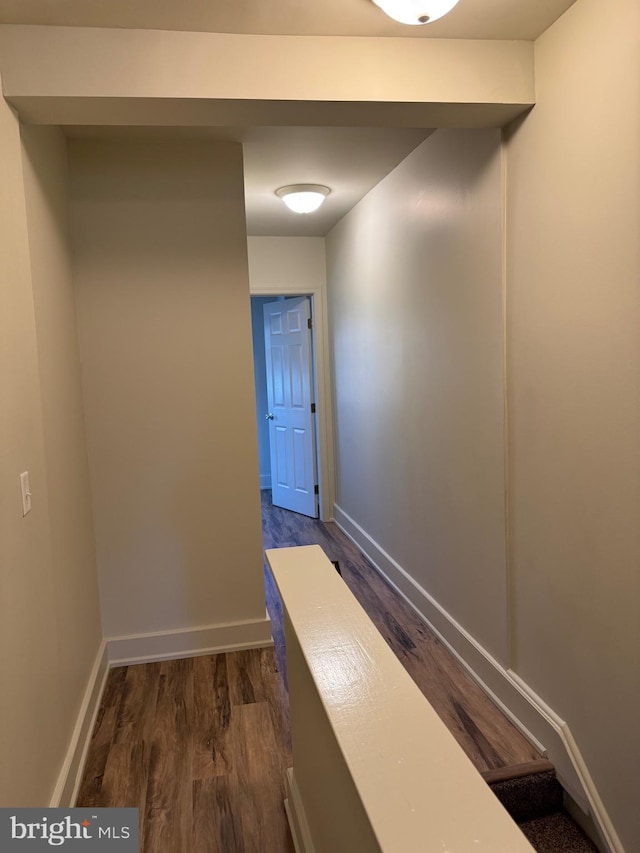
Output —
<point x="534" y="798"/>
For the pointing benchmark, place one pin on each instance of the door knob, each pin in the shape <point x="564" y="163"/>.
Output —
<point x="269" y="416"/>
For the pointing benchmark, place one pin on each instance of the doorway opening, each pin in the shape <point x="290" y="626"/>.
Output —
<point x="321" y="395"/>
<point x="284" y="354"/>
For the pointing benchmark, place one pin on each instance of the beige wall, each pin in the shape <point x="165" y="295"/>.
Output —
<point x="574" y="402"/>
<point x="414" y="282"/>
<point x="415" y="300"/>
<point x="163" y="296"/>
<point x="49" y="624"/>
<point x="72" y="539"/>
<point x="286" y="264"/>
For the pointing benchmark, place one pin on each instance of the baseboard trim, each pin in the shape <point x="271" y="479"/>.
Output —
<point x="296" y="816"/>
<point x="529" y="713"/>
<point x="190" y="642"/>
<point x="265" y="481"/>
<point x="70" y="776"/>
<point x="595" y="808"/>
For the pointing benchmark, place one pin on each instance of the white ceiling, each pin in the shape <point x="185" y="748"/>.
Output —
<point x="348" y="160"/>
<point x="476" y="19"/>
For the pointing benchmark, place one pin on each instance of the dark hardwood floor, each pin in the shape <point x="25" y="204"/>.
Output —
<point x="200" y="746"/>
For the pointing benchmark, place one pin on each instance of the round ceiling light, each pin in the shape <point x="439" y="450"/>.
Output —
<point x="303" y="198"/>
<point x="416" y="11"/>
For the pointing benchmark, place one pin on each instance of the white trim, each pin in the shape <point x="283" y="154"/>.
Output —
<point x="322" y="376"/>
<point x="265" y="481"/>
<point x="190" y="642"/>
<point x="536" y="720"/>
<point x="70" y="776"/>
<point x="296" y="816"/>
<point x="596" y="806"/>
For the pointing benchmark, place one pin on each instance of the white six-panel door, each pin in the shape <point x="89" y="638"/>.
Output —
<point x="287" y="339"/>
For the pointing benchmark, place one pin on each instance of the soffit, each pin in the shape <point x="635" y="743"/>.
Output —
<point x="351" y="160"/>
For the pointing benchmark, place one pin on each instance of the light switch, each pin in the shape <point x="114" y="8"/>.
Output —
<point x="26" y="492"/>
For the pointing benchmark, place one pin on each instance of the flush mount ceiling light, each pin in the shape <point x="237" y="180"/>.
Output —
<point x="303" y="198"/>
<point x="416" y="11"/>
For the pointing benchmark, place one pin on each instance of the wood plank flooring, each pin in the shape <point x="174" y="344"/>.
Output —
<point x="200" y="746"/>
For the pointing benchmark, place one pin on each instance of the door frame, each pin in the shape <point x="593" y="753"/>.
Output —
<point x="322" y="389"/>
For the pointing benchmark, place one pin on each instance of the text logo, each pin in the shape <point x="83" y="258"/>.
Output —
<point x="32" y="829"/>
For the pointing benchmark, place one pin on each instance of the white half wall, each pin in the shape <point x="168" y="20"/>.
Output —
<point x="374" y="767"/>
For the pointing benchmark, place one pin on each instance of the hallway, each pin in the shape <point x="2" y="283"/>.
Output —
<point x="200" y="746"/>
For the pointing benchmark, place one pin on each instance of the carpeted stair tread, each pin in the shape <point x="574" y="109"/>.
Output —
<point x="557" y="833"/>
<point x="535" y="800"/>
<point x="529" y="797"/>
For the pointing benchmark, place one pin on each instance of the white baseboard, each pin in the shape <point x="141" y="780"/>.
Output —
<point x="536" y="720"/>
<point x="296" y="816"/>
<point x="142" y="648"/>
<point x="265" y="481"/>
<point x="190" y="642"/>
<point x="70" y="775"/>
<point x="593" y="805"/>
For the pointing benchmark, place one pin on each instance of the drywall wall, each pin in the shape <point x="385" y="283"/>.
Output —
<point x="49" y="625"/>
<point x="286" y="264"/>
<point x="415" y="301"/>
<point x="30" y="659"/>
<point x="164" y="318"/>
<point x="72" y="539"/>
<point x="573" y="219"/>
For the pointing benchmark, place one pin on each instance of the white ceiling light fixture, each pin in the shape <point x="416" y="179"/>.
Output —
<point x="416" y="12"/>
<point x="303" y="198"/>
